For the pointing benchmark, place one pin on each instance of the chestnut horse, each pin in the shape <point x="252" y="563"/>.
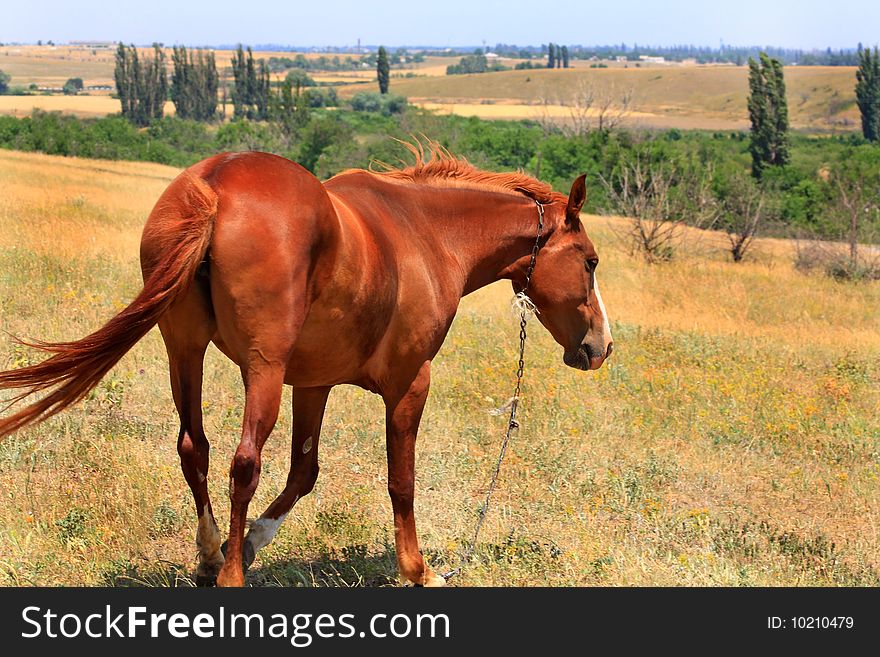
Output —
<point x="313" y="285"/>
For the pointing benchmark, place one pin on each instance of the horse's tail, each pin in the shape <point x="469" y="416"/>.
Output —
<point x="177" y="236"/>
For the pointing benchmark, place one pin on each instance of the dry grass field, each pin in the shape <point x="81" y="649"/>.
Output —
<point x="512" y="110"/>
<point x="670" y="96"/>
<point x="51" y="66"/>
<point x="85" y="106"/>
<point x="674" y="96"/>
<point x="733" y="438"/>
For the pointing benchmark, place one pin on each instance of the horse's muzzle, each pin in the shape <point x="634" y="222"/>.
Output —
<point x="587" y="357"/>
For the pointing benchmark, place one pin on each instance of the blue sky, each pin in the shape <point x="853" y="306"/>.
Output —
<point x="788" y="23"/>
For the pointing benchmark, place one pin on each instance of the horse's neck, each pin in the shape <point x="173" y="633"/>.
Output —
<point x="472" y="237"/>
<point x="488" y="239"/>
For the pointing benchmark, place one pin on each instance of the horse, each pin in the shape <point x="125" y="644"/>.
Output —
<point x="355" y="280"/>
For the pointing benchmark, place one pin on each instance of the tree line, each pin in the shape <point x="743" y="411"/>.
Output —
<point x="725" y="54"/>
<point x="141" y="83"/>
<point x="336" y="63"/>
<point x="194" y="84"/>
<point x="475" y="63"/>
<point x="142" y="87"/>
<point x="250" y="95"/>
<point x="478" y="62"/>
<point x="557" y="56"/>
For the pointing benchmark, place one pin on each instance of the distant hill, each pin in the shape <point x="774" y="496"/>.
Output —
<point x="820" y="97"/>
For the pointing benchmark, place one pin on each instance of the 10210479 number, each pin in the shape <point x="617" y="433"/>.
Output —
<point x="810" y="623"/>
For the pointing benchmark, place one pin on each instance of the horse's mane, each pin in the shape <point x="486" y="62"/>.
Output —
<point x="435" y="165"/>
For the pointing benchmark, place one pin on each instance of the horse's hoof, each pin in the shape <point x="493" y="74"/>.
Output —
<point x="206" y="580"/>
<point x="248" y="554"/>
<point x="433" y="580"/>
<point x="430" y="580"/>
<point x="206" y="573"/>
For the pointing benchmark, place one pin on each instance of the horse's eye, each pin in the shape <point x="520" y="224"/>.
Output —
<point x="590" y="266"/>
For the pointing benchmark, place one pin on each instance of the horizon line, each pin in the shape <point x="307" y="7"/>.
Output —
<point x="270" y="46"/>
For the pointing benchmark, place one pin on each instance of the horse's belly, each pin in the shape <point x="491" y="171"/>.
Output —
<point x="333" y="347"/>
<point x="310" y="368"/>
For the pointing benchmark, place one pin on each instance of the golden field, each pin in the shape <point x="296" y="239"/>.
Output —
<point x="733" y="438"/>
<point x="663" y="96"/>
<point x="51" y="66"/>
<point x="672" y="96"/>
<point x="85" y="106"/>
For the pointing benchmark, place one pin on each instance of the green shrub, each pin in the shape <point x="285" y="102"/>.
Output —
<point x="73" y="526"/>
<point x="374" y="102"/>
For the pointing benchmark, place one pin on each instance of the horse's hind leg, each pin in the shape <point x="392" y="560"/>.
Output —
<point x="308" y="413"/>
<point x="187" y="330"/>
<point x="263" y="381"/>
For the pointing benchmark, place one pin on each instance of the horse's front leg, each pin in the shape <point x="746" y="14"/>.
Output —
<point x="403" y="411"/>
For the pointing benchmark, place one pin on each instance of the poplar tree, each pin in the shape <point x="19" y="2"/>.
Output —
<point x="194" y="84"/>
<point x="291" y="106"/>
<point x="209" y="83"/>
<point x="868" y="92"/>
<point x="240" y="95"/>
<point x="142" y="87"/>
<point x="551" y="56"/>
<point x="565" y="59"/>
<point x="181" y="83"/>
<point x="383" y="70"/>
<point x="123" y="74"/>
<point x="261" y="91"/>
<point x="768" y="112"/>
<point x="250" y="84"/>
<point x="250" y="96"/>
<point x="153" y="92"/>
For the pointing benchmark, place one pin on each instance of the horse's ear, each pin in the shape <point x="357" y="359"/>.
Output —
<point x="576" y="198"/>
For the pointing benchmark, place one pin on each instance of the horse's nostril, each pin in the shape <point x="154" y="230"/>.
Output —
<point x="610" y="349"/>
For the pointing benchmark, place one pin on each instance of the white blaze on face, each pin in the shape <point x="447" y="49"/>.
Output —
<point x="606" y="327"/>
<point x="263" y="530"/>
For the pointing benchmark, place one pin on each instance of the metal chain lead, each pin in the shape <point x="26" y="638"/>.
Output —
<point x="512" y="424"/>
